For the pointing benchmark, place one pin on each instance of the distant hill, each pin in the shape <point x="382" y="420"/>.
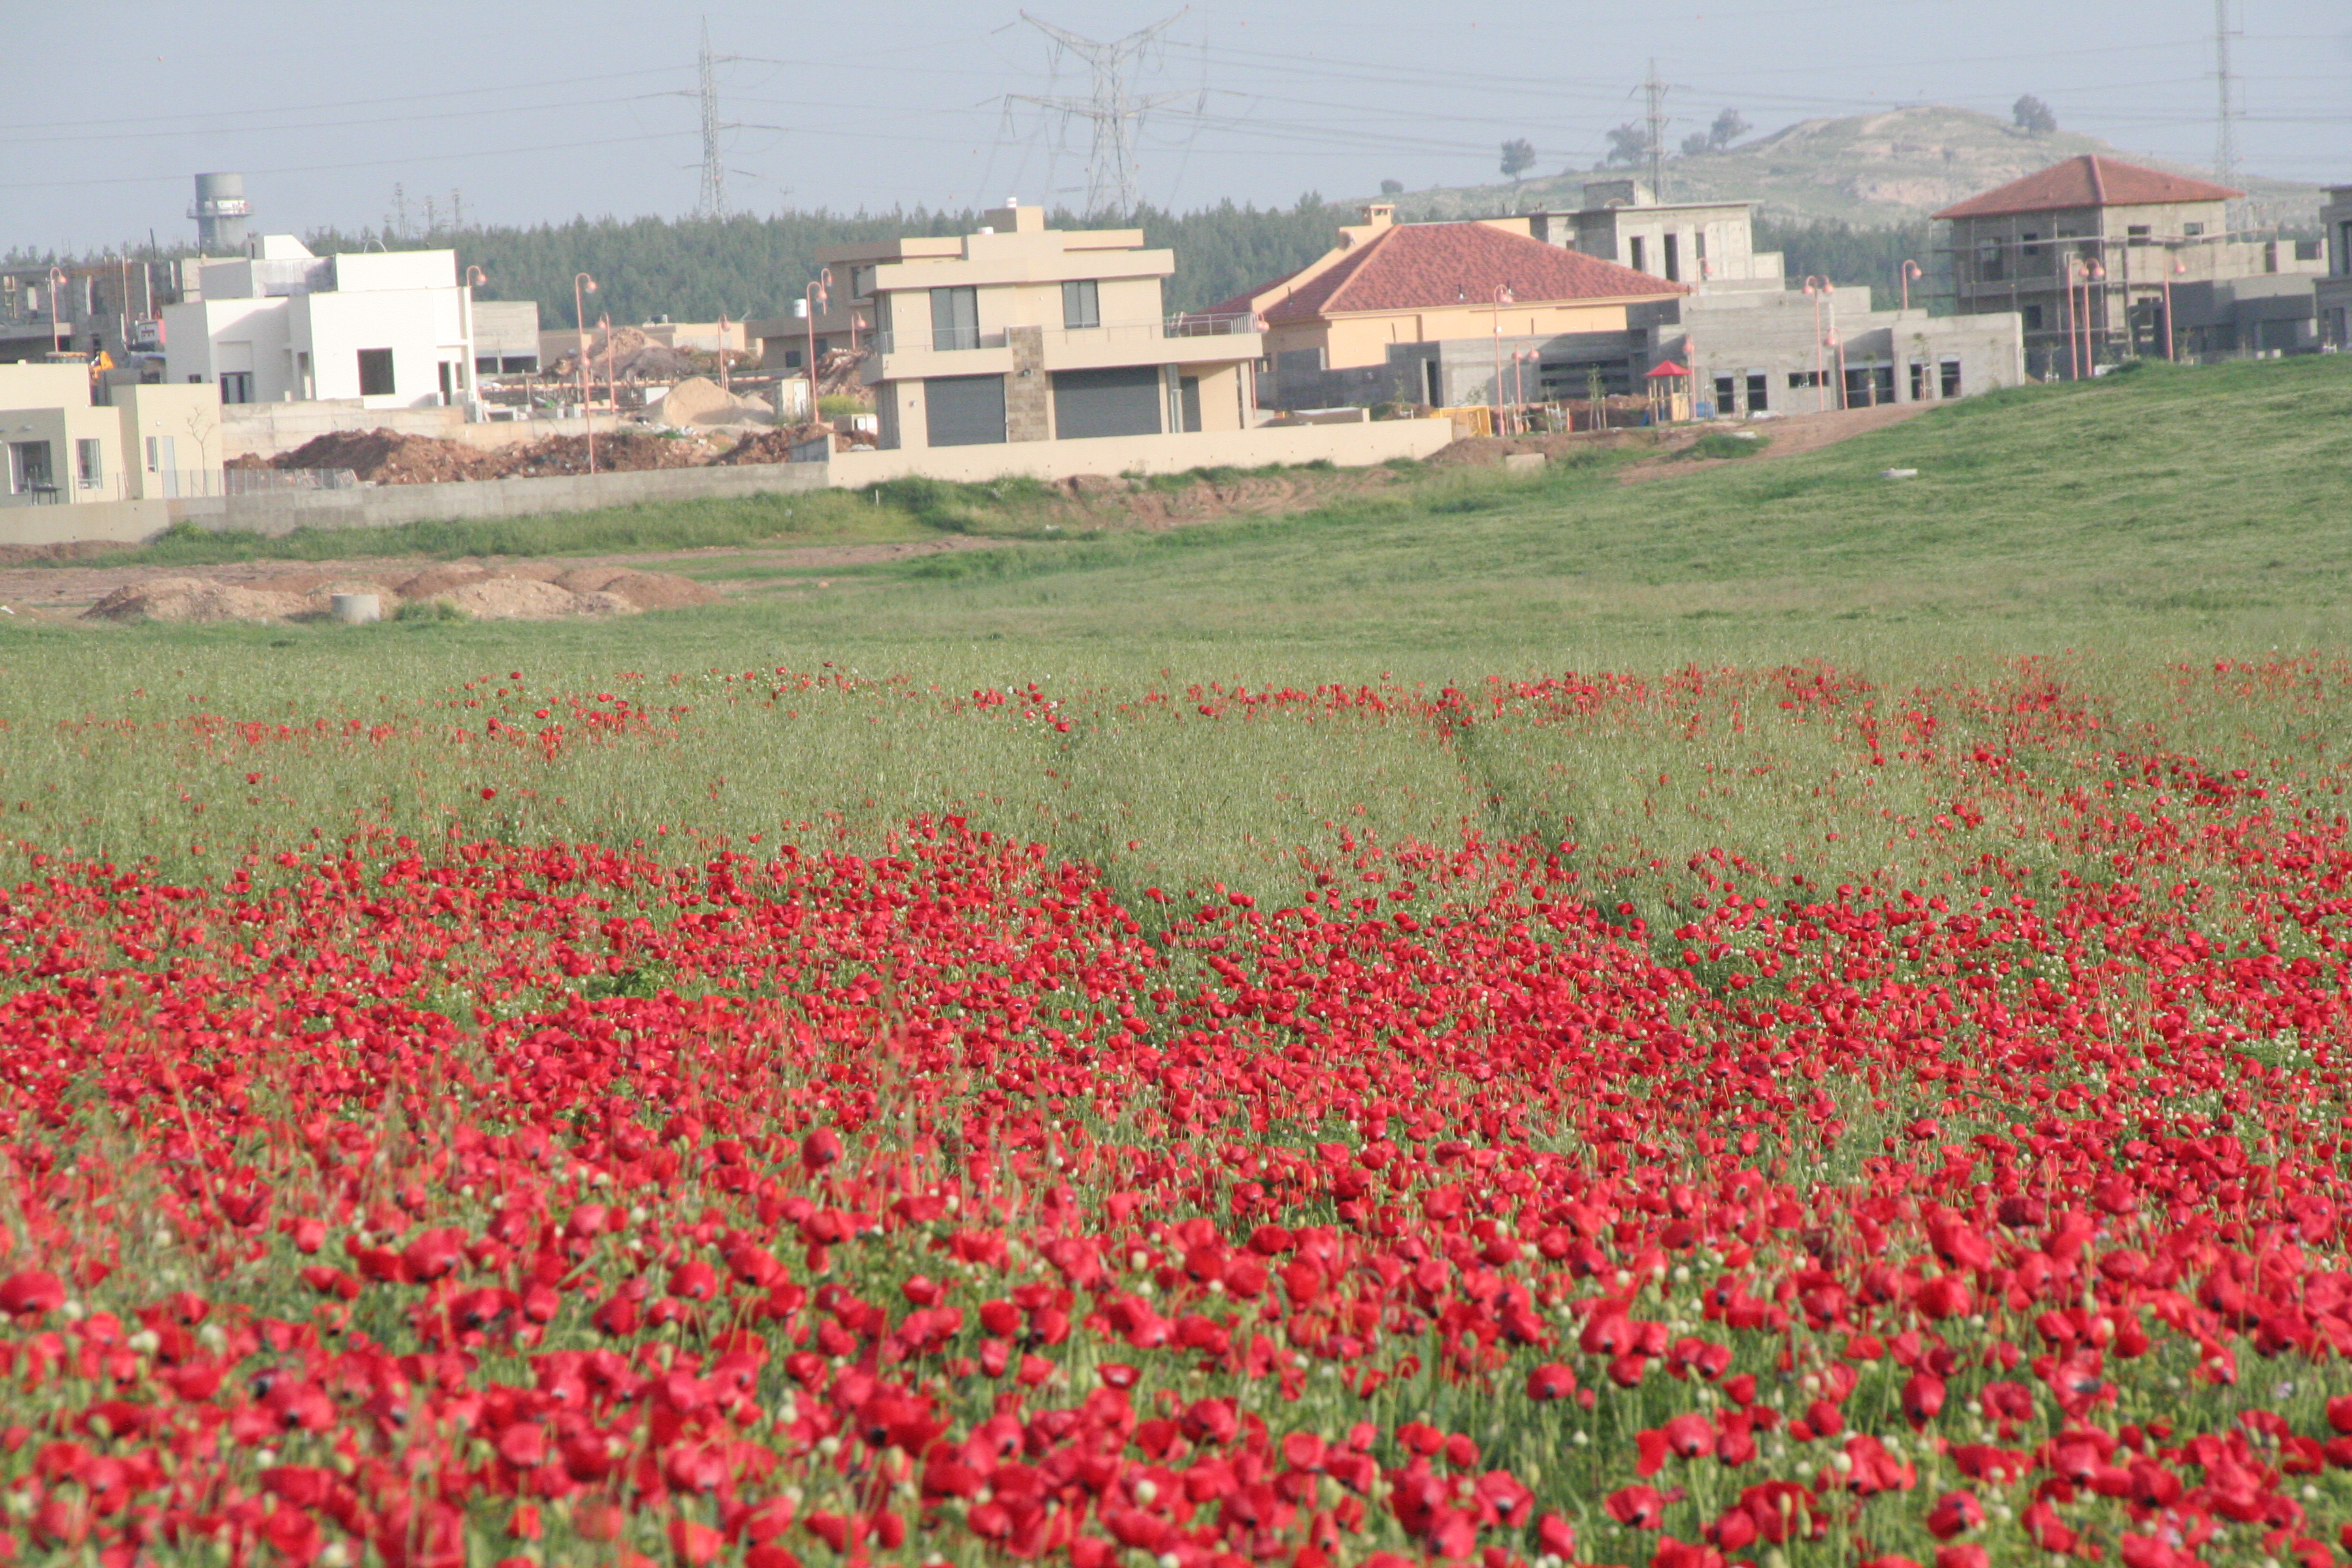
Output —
<point x="1867" y="169"/>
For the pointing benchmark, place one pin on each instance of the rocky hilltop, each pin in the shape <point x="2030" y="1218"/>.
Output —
<point x="1867" y="169"/>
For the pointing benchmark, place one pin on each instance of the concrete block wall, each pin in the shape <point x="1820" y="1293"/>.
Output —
<point x="1353" y="444"/>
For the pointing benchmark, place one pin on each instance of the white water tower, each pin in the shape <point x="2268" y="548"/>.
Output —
<point x="220" y="213"/>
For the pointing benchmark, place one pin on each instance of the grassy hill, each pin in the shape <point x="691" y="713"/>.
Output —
<point x="1866" y="170"/>
<point x="2162" y="497"/>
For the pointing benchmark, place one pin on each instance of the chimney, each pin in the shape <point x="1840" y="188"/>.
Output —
<point x="1379" y="215"/>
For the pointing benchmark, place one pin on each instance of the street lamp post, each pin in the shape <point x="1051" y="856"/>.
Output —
<point x="1910" y="269"/>
<point x="582" y="283"/>
<point x="1502" y="298"/>
<point x="2175" y="268"/>
<point x="474" y="274"/>
<point x="2084" y="346"/>
<point x="1819" y="288"/>
<point x="817" y="296"/>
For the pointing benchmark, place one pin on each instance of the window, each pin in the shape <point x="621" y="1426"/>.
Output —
<point x="1081" y="304"/>
<point x="90" y="463"/>
<point x="1804" y="378"/>
<point x="28" y="469"/>
<point x="1673" y="248"/>
<point x="1921" y="380"/>
<point x="2136" y="233"/>
<point x="375" y="372"/>
<point x="955" y="320"/>
<point x="236" y="386"/>
<point x="151" y="454"/>
<point x="1726" y="389"/>
<point x="2192" y="230"/>
<point x="1949" y="384"/>
<point x="1759" y="392"/>
<point x="1989" y="269"/>
<point x="2033" y="317"/>
<point x="1640" y="255"/>
<point x="791" y="359"/>
<point x="2029" y="243"/>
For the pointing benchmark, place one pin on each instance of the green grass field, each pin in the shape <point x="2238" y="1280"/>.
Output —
<point x="2115" y="529"/>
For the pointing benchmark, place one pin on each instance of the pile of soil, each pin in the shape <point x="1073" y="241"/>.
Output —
<point x="776" y="446"/>
<point x="622" y="452"/>
<point x="184" y="601"/>
<point x="640" y="590"/>
<point x="528" y="599"/>
<point x="387" y="458"/>
<point x="698" y="400"/>
<point x="517" y="594"/>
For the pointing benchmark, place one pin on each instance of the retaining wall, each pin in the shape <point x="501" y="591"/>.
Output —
<point x="1348" y="446"/>
<point x="386" y="506"/>
<point x="103" y="522"/>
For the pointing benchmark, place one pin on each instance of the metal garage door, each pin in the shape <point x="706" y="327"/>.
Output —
<point x="965" y="410"/>
<point x="1122" y="401"/>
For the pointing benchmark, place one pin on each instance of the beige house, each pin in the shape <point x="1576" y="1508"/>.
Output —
<point x="151" y="443"/>
<point x="1025" y="333"/>
<point x="2104" y="260"/>
<point x="1388" y="286"/>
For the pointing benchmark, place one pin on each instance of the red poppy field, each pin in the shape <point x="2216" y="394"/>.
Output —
<point x="1642" y="1187"/>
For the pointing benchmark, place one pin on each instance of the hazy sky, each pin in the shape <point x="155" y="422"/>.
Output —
<point x="537" y="111"/>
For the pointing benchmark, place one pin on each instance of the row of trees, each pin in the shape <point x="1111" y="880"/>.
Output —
<point x="695" y="268"/>
<point x="746" y="266"/>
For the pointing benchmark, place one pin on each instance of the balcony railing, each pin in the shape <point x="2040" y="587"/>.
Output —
<point x="937" y="340"/>
<point x="1204" y="324"/>
<point x="949" y="340"/>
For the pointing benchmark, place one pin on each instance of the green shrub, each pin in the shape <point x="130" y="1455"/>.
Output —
<point x="1722" y="444"/>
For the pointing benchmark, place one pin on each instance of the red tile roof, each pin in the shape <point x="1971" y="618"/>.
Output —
<point x="1424" y="266"/>
<point x="2089" y="181"/>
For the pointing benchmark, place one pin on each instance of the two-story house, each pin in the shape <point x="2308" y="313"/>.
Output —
<point x="1025" y="333"/>
<point x="2106" y="260"/>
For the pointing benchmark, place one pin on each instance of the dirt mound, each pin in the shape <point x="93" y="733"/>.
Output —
<point x="624" y="452"/>
<point x="441" y="579"/>
<point x="698" y="400"/>
<point x="194" y="601"/>
<point x="644" y="590"/>
<point x="388" y="457"/>
<point x="529" y="599"/>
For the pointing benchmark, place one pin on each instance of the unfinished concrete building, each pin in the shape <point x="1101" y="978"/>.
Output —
<point x="2332" y="294"/>
<point x="2104" y="260"/>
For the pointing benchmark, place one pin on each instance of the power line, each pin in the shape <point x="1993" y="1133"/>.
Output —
<point x="1115" y="111"/>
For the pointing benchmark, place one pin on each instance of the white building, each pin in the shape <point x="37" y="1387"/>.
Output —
<point x="386" y="329"/>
